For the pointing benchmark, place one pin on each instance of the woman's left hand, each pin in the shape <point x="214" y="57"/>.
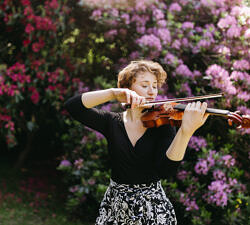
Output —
<point x="194" y="117"/>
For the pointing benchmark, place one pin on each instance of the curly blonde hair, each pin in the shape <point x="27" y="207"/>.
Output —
<point x="127" y="76"/>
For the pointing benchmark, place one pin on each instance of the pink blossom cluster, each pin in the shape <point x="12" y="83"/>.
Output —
<point x="37" y="22"/>
<point x="228" y="160"/>
<point x="197" y="142"/>
<point x="14" y="80"/>
<point x="6" y="119"/>
<point x="184" y="70"/>
<point x="188" y="199"/>
<point x="78" y="163"/>
<point x="150" y="41"/>
<point x="189" y="203"/>
<point x="204" y="165"/>
<point x="35" y="96"/>
<point x="185" y="88"/>
<point x="242" y="64"/>
<point x="65" y="163"/>
<point x="220" y="189"/>
<point x="218" y="193"/>
<point x="183" y="174"/>
<point x="175" y="7"/>
<point x="220" y="79"/>
<point x="171" y="59"/>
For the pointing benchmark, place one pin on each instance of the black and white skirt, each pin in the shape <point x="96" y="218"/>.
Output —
<point x="141" y="204"/>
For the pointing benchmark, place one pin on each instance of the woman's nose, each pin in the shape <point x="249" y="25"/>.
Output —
<point x="150" y="90"/>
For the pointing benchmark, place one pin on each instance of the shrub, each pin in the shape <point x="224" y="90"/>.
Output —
<point x="35" y="71"/>
<point x="203" y="46"/>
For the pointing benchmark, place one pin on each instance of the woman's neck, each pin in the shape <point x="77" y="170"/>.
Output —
<point x="133" y="115"/>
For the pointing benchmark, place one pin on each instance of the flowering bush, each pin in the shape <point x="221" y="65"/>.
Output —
<point x="213" y="192"/>
<point x="34" y="72"/>
<point x="203" y="46"/>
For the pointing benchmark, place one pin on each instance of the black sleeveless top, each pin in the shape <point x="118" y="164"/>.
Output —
<point x="143" y="163"/>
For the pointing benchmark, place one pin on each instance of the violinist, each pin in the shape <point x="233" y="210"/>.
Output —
<point x="140" y="157"/>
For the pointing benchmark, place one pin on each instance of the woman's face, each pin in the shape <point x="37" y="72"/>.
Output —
<point x="145" y="85"/>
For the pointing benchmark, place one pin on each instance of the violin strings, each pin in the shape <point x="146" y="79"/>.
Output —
<point x="183" y="99"/>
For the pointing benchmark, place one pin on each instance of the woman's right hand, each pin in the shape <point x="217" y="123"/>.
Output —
<point x="125" y="95"/>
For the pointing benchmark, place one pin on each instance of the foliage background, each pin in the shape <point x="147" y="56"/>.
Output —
<point x="51" y="50"/>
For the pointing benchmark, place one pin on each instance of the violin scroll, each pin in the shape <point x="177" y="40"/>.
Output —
<point x="242" y="121"/>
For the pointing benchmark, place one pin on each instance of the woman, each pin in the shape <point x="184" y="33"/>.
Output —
<point x="140" y="156"/>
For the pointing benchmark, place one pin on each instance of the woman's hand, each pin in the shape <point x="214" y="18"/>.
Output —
<point x="194" y="117"/>
<point x="125" y="95"/>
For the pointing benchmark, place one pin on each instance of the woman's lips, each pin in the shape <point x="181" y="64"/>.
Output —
<point x="150" y="99"/>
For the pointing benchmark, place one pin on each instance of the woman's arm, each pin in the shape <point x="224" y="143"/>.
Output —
<point x="193" y="118"/>
<point x="94" y="98"/>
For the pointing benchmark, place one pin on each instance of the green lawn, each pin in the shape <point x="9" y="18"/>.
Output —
<point x="32" y="198"/>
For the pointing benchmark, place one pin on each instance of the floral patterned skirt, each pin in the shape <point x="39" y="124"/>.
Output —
<point x="141" y="204"/>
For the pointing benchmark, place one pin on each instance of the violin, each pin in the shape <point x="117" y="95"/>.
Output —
<point x="171" y="111"/>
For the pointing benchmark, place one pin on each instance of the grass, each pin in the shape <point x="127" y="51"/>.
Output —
<point x="32" y="197"/>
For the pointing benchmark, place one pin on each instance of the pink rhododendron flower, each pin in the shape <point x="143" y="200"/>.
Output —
<point x="186" y="89"/>
<point x="114" y="12"/>
<point x="247" y="34"/>
<point x="221" y="79"/>
<point x="233" y="31"/>
<point x="223" y="50"/>
<point x="203" y="44"/>
<point x="164" y="35"/>
<point x="126" y="18"/>
<point x="26" y="42"/>
<point x="176" y="44"/>
<point x="185" y="42"/>
<point x="244" y="110"/>
<point x="201" y="167"/>
<point x="197" y="142"/>
<point x="228" y="160"/>
<point x="213" y="3"/>
<point x="96" y="14"/>
<point x="187" y="25"/>
<point x="241" y="64"/>
<point x="110" y="34"/>
<point x="53" y="4"/>
<point x="78" y="163"/>
<point x="150" y="41"/>
<point x="25" y="2"/>
<point x="65" y="163"/>
<point x="141" y="30"/>
<point x="226" y="22"/>
<point x="134" y="55"/>
<point x="162" y="23"/>
<point x="37" y="46"/>
<point x="35" y="96"/>
<point x="182" y="175"/>
<point x="219" y="175"/>
<point x="91" y="181"/>
<point x="158" y="14"/>
<point x="244" y="95"/>
<point x="184" y="70"/>
<point x="218" y="193"/>
<point x="29" y="28"/>
<point x="175" y="7"/>
<point x="73" y="189"/>
<point x="140" y="20"/>
<point x="189" y="203"/>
